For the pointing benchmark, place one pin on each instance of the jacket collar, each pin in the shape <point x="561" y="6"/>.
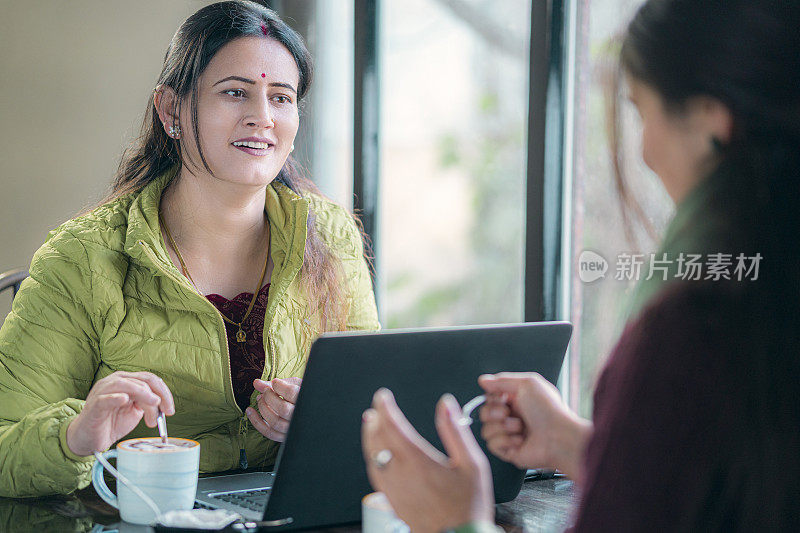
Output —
<point x="286" y="210"/>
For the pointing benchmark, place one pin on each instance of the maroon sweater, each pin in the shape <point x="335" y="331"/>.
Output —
<point x="671" y="411"/>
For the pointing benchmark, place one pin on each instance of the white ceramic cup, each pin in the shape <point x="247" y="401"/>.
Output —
<point x="377" y="515"/>
<point x="168" y="475"/>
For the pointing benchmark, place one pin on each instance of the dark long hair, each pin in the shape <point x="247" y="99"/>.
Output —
<point x="191" y="49"/>
<point x="746" y="54"/>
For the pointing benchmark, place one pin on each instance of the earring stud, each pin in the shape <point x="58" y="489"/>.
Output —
<point x="175" y="131"/>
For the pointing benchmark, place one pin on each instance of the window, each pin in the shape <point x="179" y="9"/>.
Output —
<point x="452" y="142"/>
<point x="454" y="87"/>
<point x="324" y="144"/>
<point x="593" y="216"/>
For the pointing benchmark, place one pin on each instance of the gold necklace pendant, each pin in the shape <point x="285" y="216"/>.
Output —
<point x="241" y="336"/>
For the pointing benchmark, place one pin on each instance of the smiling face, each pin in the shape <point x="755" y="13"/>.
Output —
<point x="246" y="110"/>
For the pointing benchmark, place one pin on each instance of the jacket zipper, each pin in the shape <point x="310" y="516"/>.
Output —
<point x="242" y="453"/>
<point x="273" y="359"/>
<point x="231" y="396"/>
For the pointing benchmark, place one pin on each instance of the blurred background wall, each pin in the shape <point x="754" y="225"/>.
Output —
<point x="74" y="81"/>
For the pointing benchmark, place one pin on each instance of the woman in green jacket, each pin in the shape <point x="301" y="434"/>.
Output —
<point x="148" y="301"/>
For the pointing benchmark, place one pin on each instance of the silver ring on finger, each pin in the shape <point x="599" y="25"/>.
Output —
<point x="381" y="458"/>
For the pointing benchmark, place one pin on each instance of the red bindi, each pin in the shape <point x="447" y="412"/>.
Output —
<point x="263" y="75"/>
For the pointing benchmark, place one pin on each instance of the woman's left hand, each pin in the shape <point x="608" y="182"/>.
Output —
<point x="430" y="491"/>
<point x="275" y="406"/>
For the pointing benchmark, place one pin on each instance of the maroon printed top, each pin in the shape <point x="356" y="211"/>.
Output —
<point x="247" y="358"/>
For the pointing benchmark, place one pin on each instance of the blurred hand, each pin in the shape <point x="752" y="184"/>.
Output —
<point x="525" y="422"/>
<point x="114" y="406"/>
<point x="275" y="406"/>
<point x="430" y="491"/>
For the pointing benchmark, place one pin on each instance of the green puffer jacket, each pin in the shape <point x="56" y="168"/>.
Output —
<point x="103" y="296"/>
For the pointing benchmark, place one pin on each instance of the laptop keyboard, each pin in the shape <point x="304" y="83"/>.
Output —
<point x="255" y="500"/>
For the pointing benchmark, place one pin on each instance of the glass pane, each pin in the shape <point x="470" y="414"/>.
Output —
<point x="454" y="86"/>
<point x="324" y="143"/>
<point x="598" y="307"/>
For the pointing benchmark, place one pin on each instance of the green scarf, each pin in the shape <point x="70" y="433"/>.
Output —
<point x="696" y="228"/>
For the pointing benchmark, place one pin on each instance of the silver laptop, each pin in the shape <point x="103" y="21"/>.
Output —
<point x="245" y="494"/>
<point x="322" y="453"/>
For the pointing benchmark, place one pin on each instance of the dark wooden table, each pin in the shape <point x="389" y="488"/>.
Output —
<point x="544" y="505"/>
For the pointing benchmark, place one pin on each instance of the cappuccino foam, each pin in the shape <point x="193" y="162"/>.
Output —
<point x="154" y="444"/>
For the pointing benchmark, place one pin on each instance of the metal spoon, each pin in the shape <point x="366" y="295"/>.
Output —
<point x="161" y="422"/>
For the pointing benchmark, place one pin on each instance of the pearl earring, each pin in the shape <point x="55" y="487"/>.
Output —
<point x="175" y="131"/>
<point x="292" y="148"/>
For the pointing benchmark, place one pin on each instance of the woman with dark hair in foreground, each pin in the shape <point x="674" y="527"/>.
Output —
<point x="198" y="286"/>
<point x="696" y="420"/>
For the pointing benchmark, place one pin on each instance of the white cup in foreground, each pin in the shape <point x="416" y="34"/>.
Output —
<point x="377" y="515"/>
<point x="167" y="473"/>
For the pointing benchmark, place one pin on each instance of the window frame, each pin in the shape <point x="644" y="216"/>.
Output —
<point x="548" y="170"/>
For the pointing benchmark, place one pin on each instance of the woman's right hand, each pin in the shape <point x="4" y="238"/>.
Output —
<point x="429" y="490"/>
<point x="114" y="406"/>
<point x="525" y="422"/>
